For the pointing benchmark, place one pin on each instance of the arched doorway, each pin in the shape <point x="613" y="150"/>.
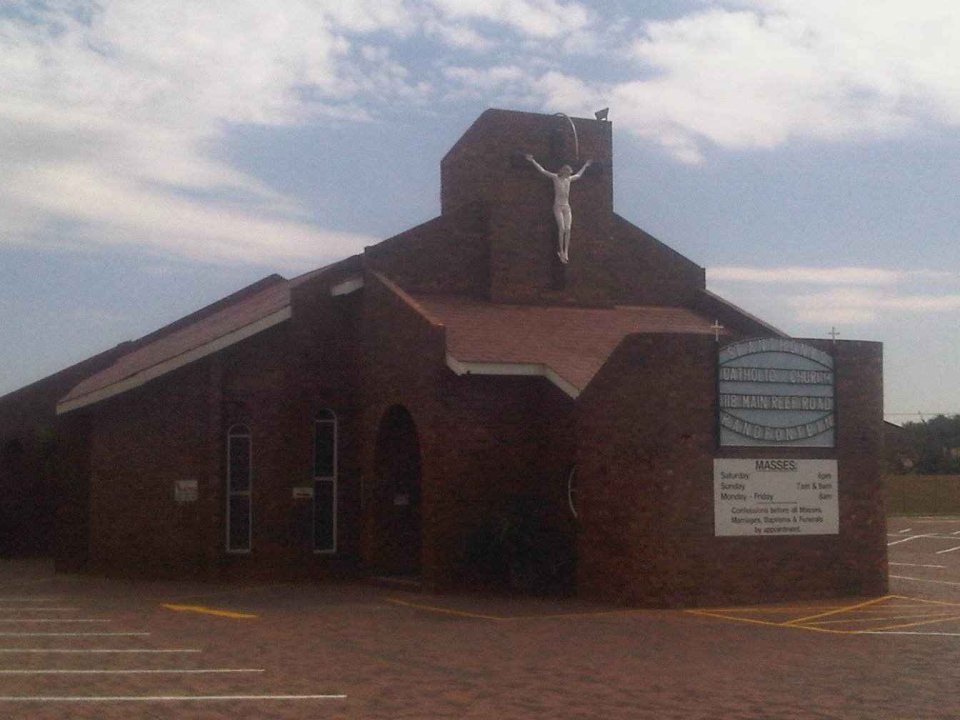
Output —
<point x="397" y="495"/>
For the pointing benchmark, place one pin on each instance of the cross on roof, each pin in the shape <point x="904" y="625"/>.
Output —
<point x="716" y="327"/>
<point x="834" y="333"/>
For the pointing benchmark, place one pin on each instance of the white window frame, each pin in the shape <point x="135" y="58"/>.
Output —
<point x="239" y="431"/>
<point x="325" y="417"/>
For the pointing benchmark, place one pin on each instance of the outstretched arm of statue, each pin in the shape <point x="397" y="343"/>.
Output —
<point x="549" y="174"/>
<point x="587" y="164"/>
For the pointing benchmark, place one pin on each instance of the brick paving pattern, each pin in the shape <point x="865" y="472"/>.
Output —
<point x="397" y="654"/>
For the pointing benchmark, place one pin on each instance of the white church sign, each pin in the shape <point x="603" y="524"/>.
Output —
<point x="775" y="496"/>
<point x="776" y="392"/>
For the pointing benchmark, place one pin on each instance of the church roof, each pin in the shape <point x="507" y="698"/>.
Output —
<point x="223" y="328"/>
<point x="568" y="345"/>
<point x="226" y="322"/>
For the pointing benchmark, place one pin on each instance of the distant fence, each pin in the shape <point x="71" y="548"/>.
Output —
<point x="922" y="494"/>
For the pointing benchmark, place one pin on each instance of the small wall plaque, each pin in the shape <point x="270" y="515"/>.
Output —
<point x="302" y="493"/>
<point x="185" y="491"/>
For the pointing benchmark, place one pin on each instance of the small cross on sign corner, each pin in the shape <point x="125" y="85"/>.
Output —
<point x="716" y="327"/>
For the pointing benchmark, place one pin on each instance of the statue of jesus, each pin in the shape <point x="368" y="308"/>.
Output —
<point x="561" y="203"/>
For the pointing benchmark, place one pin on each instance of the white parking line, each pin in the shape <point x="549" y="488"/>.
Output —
<point x="50" y="620"/>
<point x="903" y="632"/>
<point x="936" y="582"/>
<point x="74" y="634"/>
<point x="934" y="536"/>
<point x="908" y="539"/>
<point x="164" y="698"/>
<point x="81" y="651"/>
<point x="916" y="565"/>
<point x="948" y="550"/>
<point x="172" y="671"/>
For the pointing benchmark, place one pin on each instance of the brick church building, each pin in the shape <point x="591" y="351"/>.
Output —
<point x="458" y="405"/>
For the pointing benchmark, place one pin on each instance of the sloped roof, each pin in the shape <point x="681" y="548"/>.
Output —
<point x="216" y="331"/>
<point x="226" y="322"/>
<point x="568" y="345"/>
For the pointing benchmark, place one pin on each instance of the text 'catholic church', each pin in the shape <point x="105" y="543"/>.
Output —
<point x="469" y="404"/>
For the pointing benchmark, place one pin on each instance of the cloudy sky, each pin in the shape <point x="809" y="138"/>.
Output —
<point x="156" y="155"/>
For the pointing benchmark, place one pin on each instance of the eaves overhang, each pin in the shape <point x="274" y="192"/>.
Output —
<point x="518" y="369"/>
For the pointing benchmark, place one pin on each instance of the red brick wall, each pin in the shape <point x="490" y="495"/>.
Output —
<point x="611" y="261"/>
<point x="175" y="427"/>
<point x="403" y="361"/>
<point x="71" y="537"/>
<point x="483" y="440"/>
<point x="506" y="461"/>
<point x="647" y="272"/>
<point x="141" y="442"/>
<point x="646" y="436"/>
<point x="448" y="255"/>
<point x="29" y="437"/>
<point x="493" y="148"/>
<point x="38" y="509"/>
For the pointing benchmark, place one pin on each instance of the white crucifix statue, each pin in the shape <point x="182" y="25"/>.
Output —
<point x="561" y="203"/>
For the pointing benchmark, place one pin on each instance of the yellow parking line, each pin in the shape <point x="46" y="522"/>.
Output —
<point x="544" y="616"/>
<point x="210" y="611"/>
<point x="917" y="624"/>
<point x="709" y="614"/>
<point x="773" y="609"/>
<point x="754" y="621"/>
<point x="569" y="615"/>
<point x="924" y="602"/>
<point x="812" y="622"/>
<point x="445" y="611"/>
<point x="879" y="619"/>
<point x="846" y="608"/>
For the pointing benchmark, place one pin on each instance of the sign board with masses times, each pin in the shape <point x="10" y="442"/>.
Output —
<point x="765" y="497"/>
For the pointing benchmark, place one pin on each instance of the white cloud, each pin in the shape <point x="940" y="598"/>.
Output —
<point x="113" y="112"/>
<point x="126" y="101"/>
<point x="859" y="305"/>
<point x="543" y="19"/>
<point x="110" y="211"/>
<point x="759" y="73"/>
<point x="457" y="35"/>
<point x="135" y="94"/>
<point x="823" y="276"/>
<point x="857" y="295"/>
<point x="504" y="81"/>
<point x="555" y="89"/>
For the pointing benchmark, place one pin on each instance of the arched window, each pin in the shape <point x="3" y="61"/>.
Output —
<point x="239" y="487"/>
<point x="325" y="482"/>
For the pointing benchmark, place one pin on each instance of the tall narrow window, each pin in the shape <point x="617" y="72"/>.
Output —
<point x="239" y="485"/>
<point x="325" y="483"/>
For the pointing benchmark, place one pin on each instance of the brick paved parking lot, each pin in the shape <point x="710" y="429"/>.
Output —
<point x="76" y="647"/>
